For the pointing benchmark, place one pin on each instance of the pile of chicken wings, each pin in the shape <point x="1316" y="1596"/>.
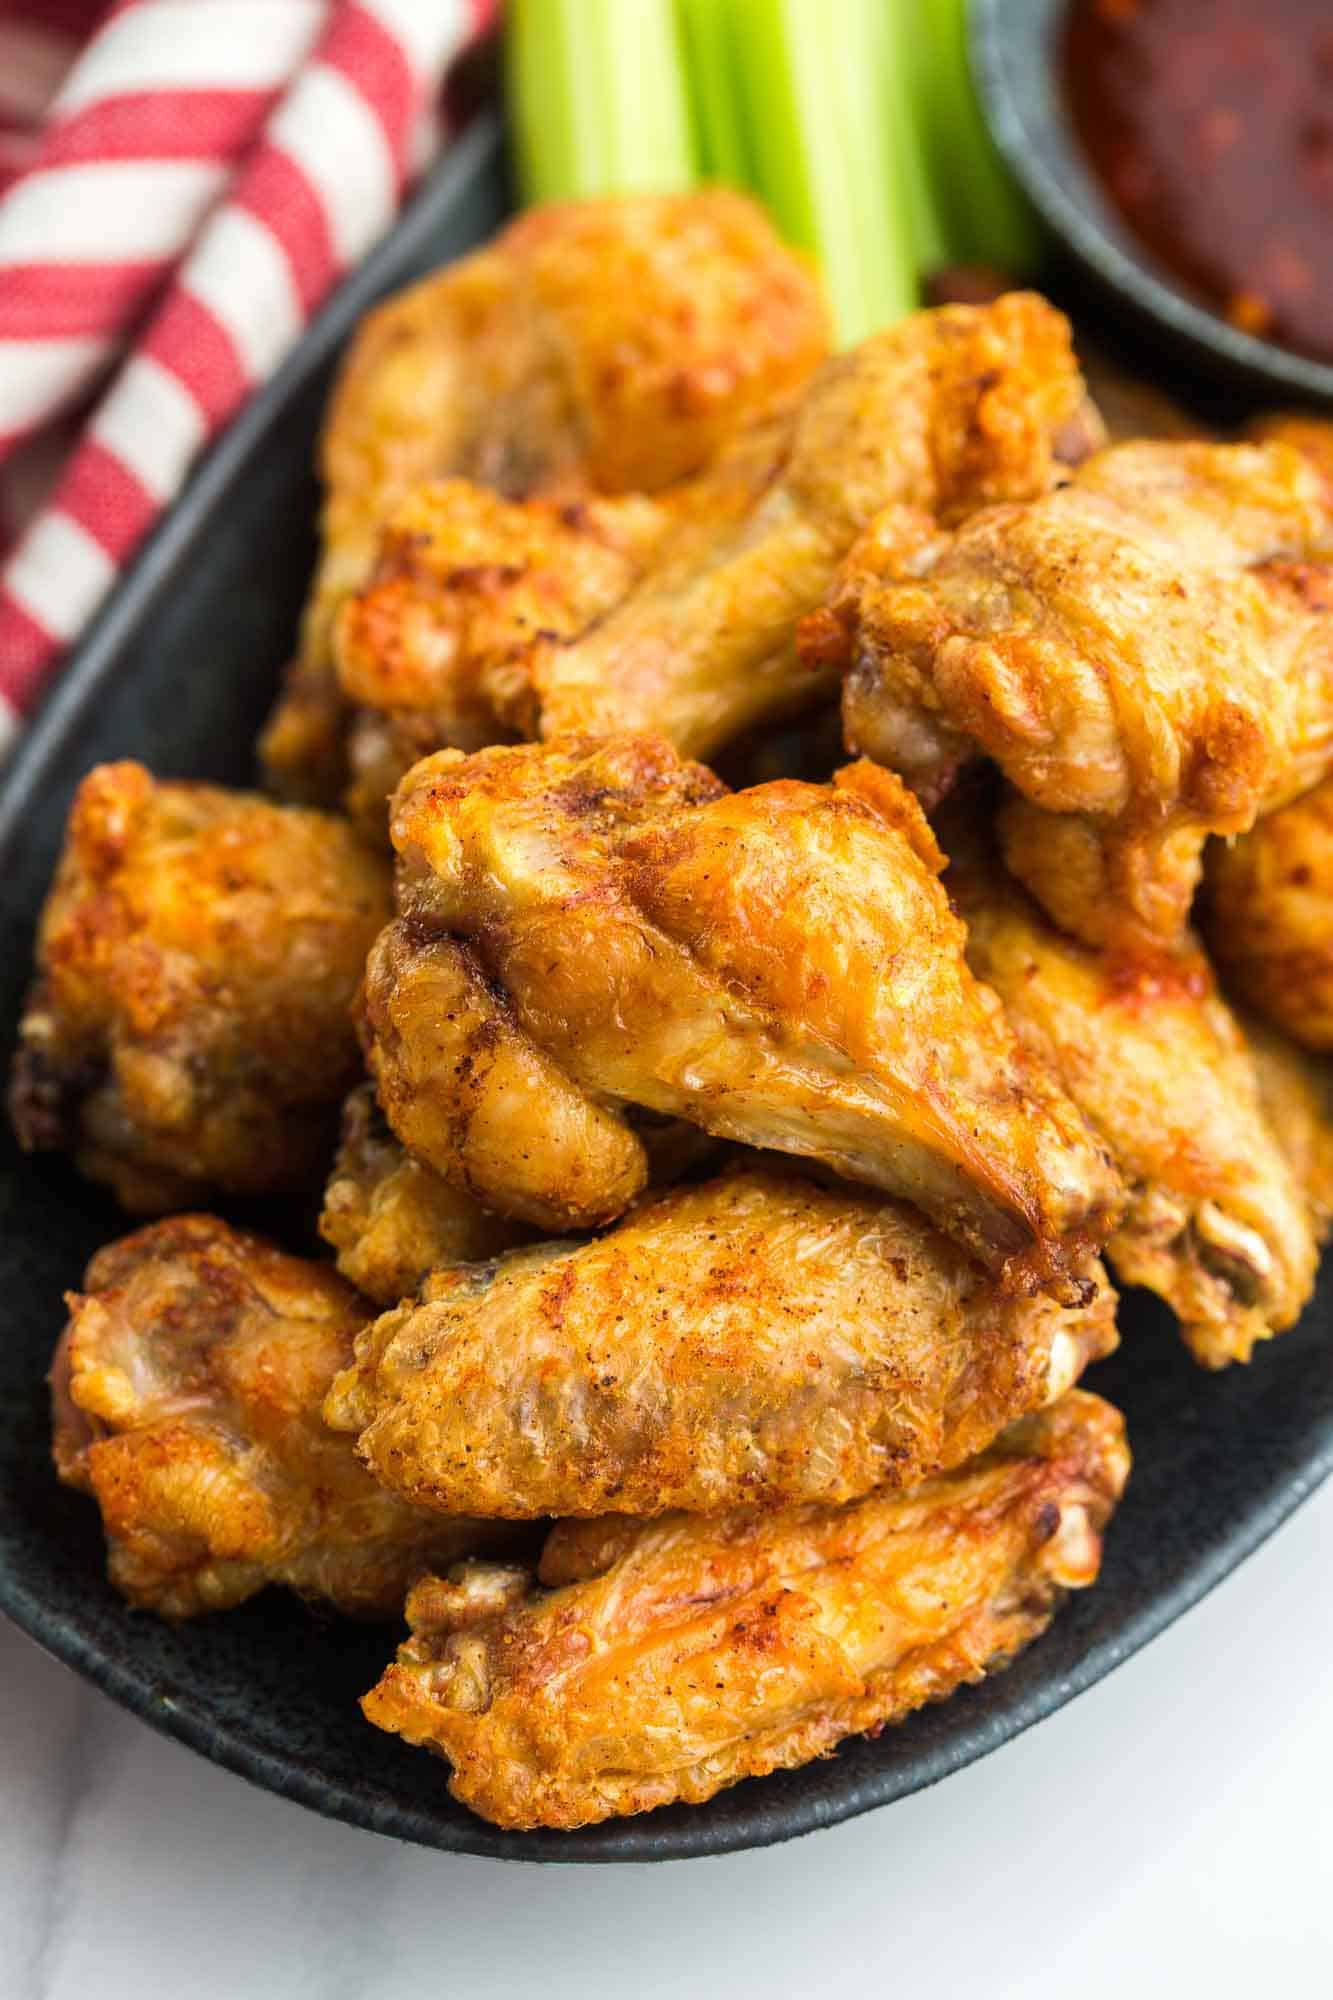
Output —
<point x="781" y="876"/>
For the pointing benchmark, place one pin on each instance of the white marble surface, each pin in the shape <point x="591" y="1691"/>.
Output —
<point x="1170" y="1833"/>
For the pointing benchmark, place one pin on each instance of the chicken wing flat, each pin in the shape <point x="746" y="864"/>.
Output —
<point x="190" y="1028"/>
<point x="602" y="923"/>
<point x="1146" y="653"/>
<point x="1268" y="916"/>
<point x="680" y="1655"/>
<point x="752" y="1341"/>
<point x="1297" y="1093"/>
<point x="596" y="346"/>
<point x="1219" y="1223"/>
<point x="391" y="1219"/>
<point x="187" y="1389"/>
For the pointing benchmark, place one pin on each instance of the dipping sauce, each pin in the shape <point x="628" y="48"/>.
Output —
<point x="1210" y="125"/>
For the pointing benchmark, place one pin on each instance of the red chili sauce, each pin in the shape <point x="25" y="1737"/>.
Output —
<point x="1210" y="124"/>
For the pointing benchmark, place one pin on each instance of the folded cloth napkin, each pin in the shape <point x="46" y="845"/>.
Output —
<point x="178" y="194"/>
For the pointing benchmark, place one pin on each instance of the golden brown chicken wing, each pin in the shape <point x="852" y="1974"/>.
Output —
<point x="487" y="620"/>
<point x="187" y="1390"/>
<point x="680" y="1655"/>
<point x="752" y="1341"/>
<point x="391" y="1219"/>
<point x="1147" y="653"/>
<point x="596" y="924"/>
<point x="605" y="346"/>
<point x="1297" y="1094"/>
<point x="1268" y="916"/>
<point x="190" y="1028"/>
<point x="1219" y="1222"/>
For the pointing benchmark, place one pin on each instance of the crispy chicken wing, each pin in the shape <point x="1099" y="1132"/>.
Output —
<point x="601" y="923"/>
<point x="596" y="346"/>
<point x="391" y="1219"/>
<point x="187" y="1390"/>
<point x="748" y="1342"/>
<point x="487" y="620"/>
<point x="190" y="1028"/>
<point x="1147" y="653"/>
<point x="677" y="1656"/>
<point x="1218" y="1223"/>
<point x="1268" y="916"/>
<point x="1297" y="1094"/>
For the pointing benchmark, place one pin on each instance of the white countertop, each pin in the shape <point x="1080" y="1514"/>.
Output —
<point x="1169" y="1833"/>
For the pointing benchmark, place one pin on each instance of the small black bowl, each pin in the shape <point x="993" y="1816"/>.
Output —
<point x="1015" y="54"/>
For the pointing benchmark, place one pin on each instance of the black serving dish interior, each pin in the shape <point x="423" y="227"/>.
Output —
<point x="179" y="672"/>
<point x="1015" y="53"/>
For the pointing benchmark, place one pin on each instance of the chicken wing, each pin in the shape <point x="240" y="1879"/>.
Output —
<point x="1218" y="1222"/>
<point x="391" y="1219"/>
<point x="1268" y="916"/>
<point x="1297" y="1094"/>
<point x="596" y="346"/>
<point x="486" y="620"/>
<point x="190" y="1028"/>
<point x="601" y="922"/>
<point x="1146" y="653"/>
<point x="187" y="1388"/>
<point x="677" y="1656"/>
<point x="753" y="1341"/>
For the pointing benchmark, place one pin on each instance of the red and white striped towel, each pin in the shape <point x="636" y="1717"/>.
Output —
<point x="176" y="199"/>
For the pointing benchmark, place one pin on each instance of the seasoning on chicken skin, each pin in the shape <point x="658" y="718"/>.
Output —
<point x="190" y="1028"/>
<point x="1146" y="653"/>
<point x="753" y="1341"/>
<point x="1219" y="1223"/>
<point x="1268" y="916"/>
<point x="685" y="1653"/>
<point x="779" y="966"/>
<point x="607" y="346"/>
<point x="187" y="1389"/>
<point x="391" y="1219"/>
<point x="486" y="619"/>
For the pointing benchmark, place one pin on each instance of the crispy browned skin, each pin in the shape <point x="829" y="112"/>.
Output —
<point x="391" y="1219"/>
<point x="1147" y="653"/>
<point x="779" y="966"/>
<point x="187" y="1390"/>
<point x="686" y="1653"/>
<point x="595" y="346"/>
<point x="488" y="620"/>
<point x="1218" y="1222"/>
<point x="190" y="1027"/>
<point x="942" y="414"/>
<point x="1309" y="434"/>
<point x="752" y="1341"/>
<point x="1268" y="916"/>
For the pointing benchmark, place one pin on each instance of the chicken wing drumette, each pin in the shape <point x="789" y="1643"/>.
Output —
<point x="674" y="1657"/>
<point x="594" y="347"/>
<point x="597" y="924"/>
<point x="190" y="1027"/>
<point x="1147" y="653"/>
<point x="752" y="1341"/>
<point x="680" y="618"/>
<point x="1268" y="916"/>
<point x="187" y="1389"/>
<point x="1219" y="1221"/>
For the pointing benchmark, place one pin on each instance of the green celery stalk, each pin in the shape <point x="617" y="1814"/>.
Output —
<point x="597" y="98"/>
<point x="987" y="219"/>
<point x="900" y="29"/>
<point x="711" y="63"/>
<point x="811" y="85"/>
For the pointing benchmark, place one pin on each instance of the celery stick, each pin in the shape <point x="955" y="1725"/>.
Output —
<point x="988" y="219"/>
<point x="708" y="33"/>
<point x="597" y="98"/>
<point x="811" y="80"/>
<point x="901" y="26"/>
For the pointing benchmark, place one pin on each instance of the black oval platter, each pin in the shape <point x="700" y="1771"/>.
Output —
<point x="179" y="671"/>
